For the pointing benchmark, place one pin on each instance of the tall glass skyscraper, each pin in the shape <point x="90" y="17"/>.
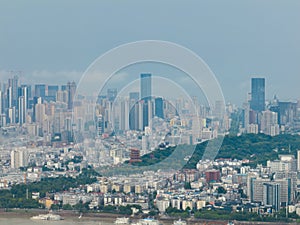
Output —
<point x="257" y="94"/>
<point x="159" y="108"/>
<point x="13" y="84"/>
<point x="146" y="86"/>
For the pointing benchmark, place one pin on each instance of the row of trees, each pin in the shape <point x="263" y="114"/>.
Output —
<point x="225" y="215"/>
<point x="20" y="195"/>
<point x="216" y="214"/>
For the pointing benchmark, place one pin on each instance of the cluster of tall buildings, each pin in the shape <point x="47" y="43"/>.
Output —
<point x="271" y="118"/>
<point x="49" y="110"/>
<point x="135" y="112"/>
<point x="142" y="111"/>
<point x="28" y="105"/>
<point x="279" y="188"/>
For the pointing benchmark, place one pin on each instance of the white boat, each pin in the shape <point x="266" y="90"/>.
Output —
<point x="179" y="222"/>
<point x="49" y="216"/>
<point x="147" y="221"/>
<point x="123" y="220"/>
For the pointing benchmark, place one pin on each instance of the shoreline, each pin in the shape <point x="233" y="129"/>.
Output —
<point x="97" y="216"/>
<point x="66" y="214"/>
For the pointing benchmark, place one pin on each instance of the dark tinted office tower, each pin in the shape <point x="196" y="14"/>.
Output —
<point x="9" y="97"/>
<point x="145" y="114"/>
<point x="35" y="101"/>
<point x="28" y="90"/>
<point x="63" y="87"/>
<point x="146" y="86"/>
<point x="13" y="84"/>
<point x="112" y="94"/>
<point x="159" y="108"/>
<point x="257" y="94"/>
<point x="271" y="195"/>
<point x="100" y="125"/>
<point x="52" y="90"/>
<point x="134" y="117"/>
<point x="40" y="90"/>
<point x="71" y="88"/>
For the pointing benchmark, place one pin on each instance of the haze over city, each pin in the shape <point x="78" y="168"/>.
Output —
<point x="237" y="40"/>
<point x="149" y="112"/>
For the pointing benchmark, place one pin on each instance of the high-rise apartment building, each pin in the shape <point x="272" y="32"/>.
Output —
<point x="19" y="158"/>
<point x="269" y="123"/>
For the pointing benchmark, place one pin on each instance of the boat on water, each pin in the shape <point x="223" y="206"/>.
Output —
<point x="123" y="220"/>
<point x="49" y="217"/>
<point x="179" y="222"/>
<point x="147" y="221"/>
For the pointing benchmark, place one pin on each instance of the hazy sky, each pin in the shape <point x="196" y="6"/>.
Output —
<point x="55" y="41"/>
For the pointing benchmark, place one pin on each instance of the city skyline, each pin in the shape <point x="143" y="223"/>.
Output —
<point x="162" y="112"/>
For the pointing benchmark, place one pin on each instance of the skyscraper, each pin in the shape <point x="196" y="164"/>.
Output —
<point x="52" y="90"/>
<point x="145" y="97"/>
<point x="13" y="84"/>
<point x="71" y="88"/>
<point x="269" y="123"/>
<point x="159" y="108"/>
<point x="257" y="94"/>
<point x="40" y="90"/>
<point x="22" y="112"/>
<point x="146" y="86"/>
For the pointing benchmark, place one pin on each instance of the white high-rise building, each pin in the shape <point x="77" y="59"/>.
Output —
<point x="19" y="158"/>
<point x="62" y="96"/>
<point x="40" y="113"/>
<point x="12" y="115"/>
<point x="145" y="145"/>
<point x="140" y="115"/>
<point x="252" y="128"/>
<point x="269" y="123"/>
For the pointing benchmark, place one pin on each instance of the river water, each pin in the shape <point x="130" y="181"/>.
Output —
<point x="68" y="221"/>
<point x="28" y="221"/>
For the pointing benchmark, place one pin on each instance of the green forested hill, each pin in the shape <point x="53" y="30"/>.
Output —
<point x="257" y="148"/>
